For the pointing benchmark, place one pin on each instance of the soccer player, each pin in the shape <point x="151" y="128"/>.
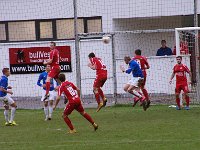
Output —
<point x="73" y="95"/>
<point x="7" y="100"/>
<point x="143" y="63"/>
<point x="101" y="77"/>
<point x="136" y="81"/>
<point x="47" y="110"/>
<point x="180" y="71"/>
<point x="55" y="68"/>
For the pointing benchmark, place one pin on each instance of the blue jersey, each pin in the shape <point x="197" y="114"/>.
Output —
<point x="43" y="77"/>
<point x="135" y="69"/>
<point x="4" y="85"/>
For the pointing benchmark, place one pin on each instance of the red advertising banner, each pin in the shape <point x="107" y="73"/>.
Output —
<point x="30" y="60"/>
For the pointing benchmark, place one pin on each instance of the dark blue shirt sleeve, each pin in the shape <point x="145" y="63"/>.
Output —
<point x="39" y="80"/>
<point x="131" y="67"/>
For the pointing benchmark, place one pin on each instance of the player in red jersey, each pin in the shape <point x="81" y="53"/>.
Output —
<point x="180" y="71"/>
<point x="101" y="77"/>
<point x="55" y="67"/>
<point x="73" y="95"/>
<point x="143" y="63"/>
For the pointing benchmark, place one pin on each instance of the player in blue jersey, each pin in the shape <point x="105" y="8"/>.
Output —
<point x="136" y="81"/>
<point x="5" y="93"/>
<point x="48" y="103"/>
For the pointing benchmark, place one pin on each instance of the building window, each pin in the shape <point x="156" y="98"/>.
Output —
<point x="65" y="28"/>
<point x="21" y="31"/>
<point x="94" y="25"/>
<point x="2" y="32"/>
<point x="46" y="30"/>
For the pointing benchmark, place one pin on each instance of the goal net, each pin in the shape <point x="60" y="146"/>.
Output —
<point x="27" y="27"/>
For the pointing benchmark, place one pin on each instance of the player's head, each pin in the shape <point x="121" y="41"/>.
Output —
<point x="62" y="77"/>
<point x="163" y="43"/>
<point x="48" y="68"/>
<point x="179" y="59"/>
<point x="6" y="71"/>
<point x="138" y="52"/>
<point x="127" y="59"/>
<point x="91" y="55"/>
<point x="52" y="45"/>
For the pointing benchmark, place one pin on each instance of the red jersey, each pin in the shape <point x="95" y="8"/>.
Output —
<point x="69" y="89"/>
<point x="180" y="71"/>
<point x="142" y="61"/>
<point x="54" y="55"/>
<point x="100" y="66"/>
<point x="183" y="48"/>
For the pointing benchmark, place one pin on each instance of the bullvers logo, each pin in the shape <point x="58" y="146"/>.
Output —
<point x="20" y="56"/>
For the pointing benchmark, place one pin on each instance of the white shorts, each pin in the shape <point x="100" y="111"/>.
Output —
<point x="7" y="100"/>
<point x="51" y="95"/>
<point x="134" y="81"/>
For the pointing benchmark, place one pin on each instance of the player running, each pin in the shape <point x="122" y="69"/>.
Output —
<point x="180" y="71"/>
<point x="143" y="63"/>
<point x="73" y="95"/>
<point x="47" y="110"/>
<point x="53" y="61"/>
<point x="136" y="81"/>
<point x="7" y="100"/>
<point x="101" y="77"/>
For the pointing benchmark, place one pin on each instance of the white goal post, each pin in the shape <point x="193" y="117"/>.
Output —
<point x="177" y="35"/>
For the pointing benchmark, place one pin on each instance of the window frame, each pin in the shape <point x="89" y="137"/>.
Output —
<point x="54" y="29"/>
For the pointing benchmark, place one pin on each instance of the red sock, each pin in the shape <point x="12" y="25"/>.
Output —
<point x="101" y="93"/>
<point x="89" y="118"/>
<point x="47" y="87"/>
<point x="97" y="98"/>
<point x="187" y="99"/>
<point x="68" y="122"/>
<point x="178" y="102"/>
<point x="144" y="91"/>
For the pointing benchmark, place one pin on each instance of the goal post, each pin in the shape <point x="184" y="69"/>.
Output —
<point x="187" y="43"/>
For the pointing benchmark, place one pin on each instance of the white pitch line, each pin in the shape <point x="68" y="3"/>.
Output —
<point x="120" y="142"/>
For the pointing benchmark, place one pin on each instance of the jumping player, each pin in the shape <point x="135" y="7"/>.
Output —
<point x="7" y="100"/>
<point x="136" y="81"/>
<point x="73" y="95"/>
<point x="143" y="63"/>
<point x="180" y="71"/>
<point x="47" y="110"/>
<point x="101" y="77"/>
<point x="55" y="67"/>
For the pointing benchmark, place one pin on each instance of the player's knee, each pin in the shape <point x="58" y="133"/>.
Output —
<point x="82" y="113"/>
<point x="6" y="107"/>
<point x="14" y="105"/>
<point x="95" y="90"/>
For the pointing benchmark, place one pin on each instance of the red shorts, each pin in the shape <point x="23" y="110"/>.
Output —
<point x="100" y="80"/>
<point x="71" y="106"/>
<point x="180" y="87"/>
<point x="55" y="71"/>
<point x="145" y="77"/>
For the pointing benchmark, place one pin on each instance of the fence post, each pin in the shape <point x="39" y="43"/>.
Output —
<point x="114" y="68"/>
<point x="77" y="52"/>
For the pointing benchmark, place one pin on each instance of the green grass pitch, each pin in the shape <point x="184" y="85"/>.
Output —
<point x="120" y="128"/>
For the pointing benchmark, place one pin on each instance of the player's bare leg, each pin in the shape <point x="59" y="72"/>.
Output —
<point x="46" y="111"/>
<point x="97" y="97"/>
<point x="12" y="116"/>
<point x="178" y="101"/>
<point x="69" y="123"/>
<point x="132" y="90"/>
<point x="89" y="118"/>
<point x="50" y="109"/>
